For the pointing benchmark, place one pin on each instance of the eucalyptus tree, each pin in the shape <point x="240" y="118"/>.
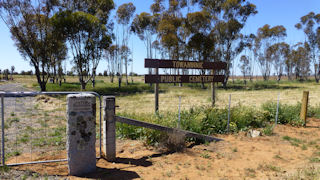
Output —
<point x="248" y="42"/>
<point x="266" y="37"/>
<point x="300" y="57"/>
<point x="310" y="24"/>
<point x="124" y="15"/>
<point x="168" y="33"/>
<point x="278" y="54"/>
<point x="124" y="52"/>
<point x="144" y="26"/>
<point x="245" y="67"/>
<point x="111" y="54"/>
<point x="229" y="18"/>
<point x="289" y="65"/>
<point x="32" y="32"/>
<point x="85" y="26"/>
<point x="200" y="40"/>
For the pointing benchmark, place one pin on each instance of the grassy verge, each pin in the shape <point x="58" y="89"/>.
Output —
<point x="101" y="88"/>
<point x="209" y="121"/>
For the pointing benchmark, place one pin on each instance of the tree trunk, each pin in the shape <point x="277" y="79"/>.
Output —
<point x="43" y="86"/>
<point x="316" y="77"/>
<point x="119" y="81"/>
<point x="127" y="81"/>
<point x="83" y="85"/>
<point x="41" y="83"/>
<point x="111" y="78"/>
<point x="93" y="83"/>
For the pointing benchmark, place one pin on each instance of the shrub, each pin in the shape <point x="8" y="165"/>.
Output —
<point x="288" y="114"/>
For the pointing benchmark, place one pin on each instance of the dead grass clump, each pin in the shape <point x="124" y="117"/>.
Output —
<point x="44" y="99"/>
<point x="174" y="142"/>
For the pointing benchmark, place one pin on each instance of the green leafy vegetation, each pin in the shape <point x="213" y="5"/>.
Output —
<point x="209" y="121"/>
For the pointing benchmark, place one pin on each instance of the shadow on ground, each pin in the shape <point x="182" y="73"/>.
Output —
<point x="104" y="173"/>
<point x="120" y="173"/>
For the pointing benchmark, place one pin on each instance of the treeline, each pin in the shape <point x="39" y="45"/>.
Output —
<point x="268" y="49"/>
<point x="45" y="31"/>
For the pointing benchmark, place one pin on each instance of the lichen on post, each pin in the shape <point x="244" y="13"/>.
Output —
<point x="81" y="133"/>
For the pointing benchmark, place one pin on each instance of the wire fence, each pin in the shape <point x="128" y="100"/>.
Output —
<point x="34" y="129"/>
<point x="169" y="102"/>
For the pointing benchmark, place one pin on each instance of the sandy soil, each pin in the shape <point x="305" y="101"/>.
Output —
<point x="291" y="153"/>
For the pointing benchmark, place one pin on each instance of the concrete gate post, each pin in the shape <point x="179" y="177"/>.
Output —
<point x="109" y="128"/>
<point x="81" y="133"/>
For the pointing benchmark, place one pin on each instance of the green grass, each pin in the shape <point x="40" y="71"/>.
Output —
<point x="314" y="160"/>
<point x="102" y="88"/>
<point x="11" y="154"/>
<point x="295" y="142"/>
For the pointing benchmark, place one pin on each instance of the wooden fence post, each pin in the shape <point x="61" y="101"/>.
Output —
<point x="109" y="128"/>
<point x="304" y="107"/>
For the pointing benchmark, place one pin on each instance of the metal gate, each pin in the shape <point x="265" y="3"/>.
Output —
<point x="33" y="127"/>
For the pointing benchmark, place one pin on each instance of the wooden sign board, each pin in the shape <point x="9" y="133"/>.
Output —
<point x="160" y="63"/>
<point x="183" y="78"/>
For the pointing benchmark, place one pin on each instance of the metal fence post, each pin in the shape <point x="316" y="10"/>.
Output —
<point x="277" y="113"/>
<point x="109" y="128"/>
<point x="228" y="125"/>
<point x="2" y="129"/>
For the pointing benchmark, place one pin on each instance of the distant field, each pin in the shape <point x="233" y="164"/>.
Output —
<point x="139" y="97"/>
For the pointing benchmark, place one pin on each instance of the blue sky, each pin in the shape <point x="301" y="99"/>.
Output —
<point x="273" y="12"/>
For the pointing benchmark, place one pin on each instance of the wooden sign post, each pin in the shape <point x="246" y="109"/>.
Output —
<point x="175" y="64"/>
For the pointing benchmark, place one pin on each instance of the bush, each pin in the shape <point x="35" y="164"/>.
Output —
<point x="288" y="114"/>
<point x="314" y="111"/>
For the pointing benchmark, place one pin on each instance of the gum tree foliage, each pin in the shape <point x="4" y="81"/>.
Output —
<point x="111" y="54"/>
<point x="32" y="32"/>
<point x="124" y="53"/>
<point x="310" y="24"/>
<point x="144" y="26"/>
<point x="201" y="41"/>
<point x="124" y="16"/>
<point x="300" y="57"/>
<point x="278" y="54"/>
<point x="245" y="66"/>
<point x="169" y="30"/>
<point x="265" y="38"/>
<point x="248" y="42"/>
<point x="84" y="25"/>
<point x="229" y="17"/>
